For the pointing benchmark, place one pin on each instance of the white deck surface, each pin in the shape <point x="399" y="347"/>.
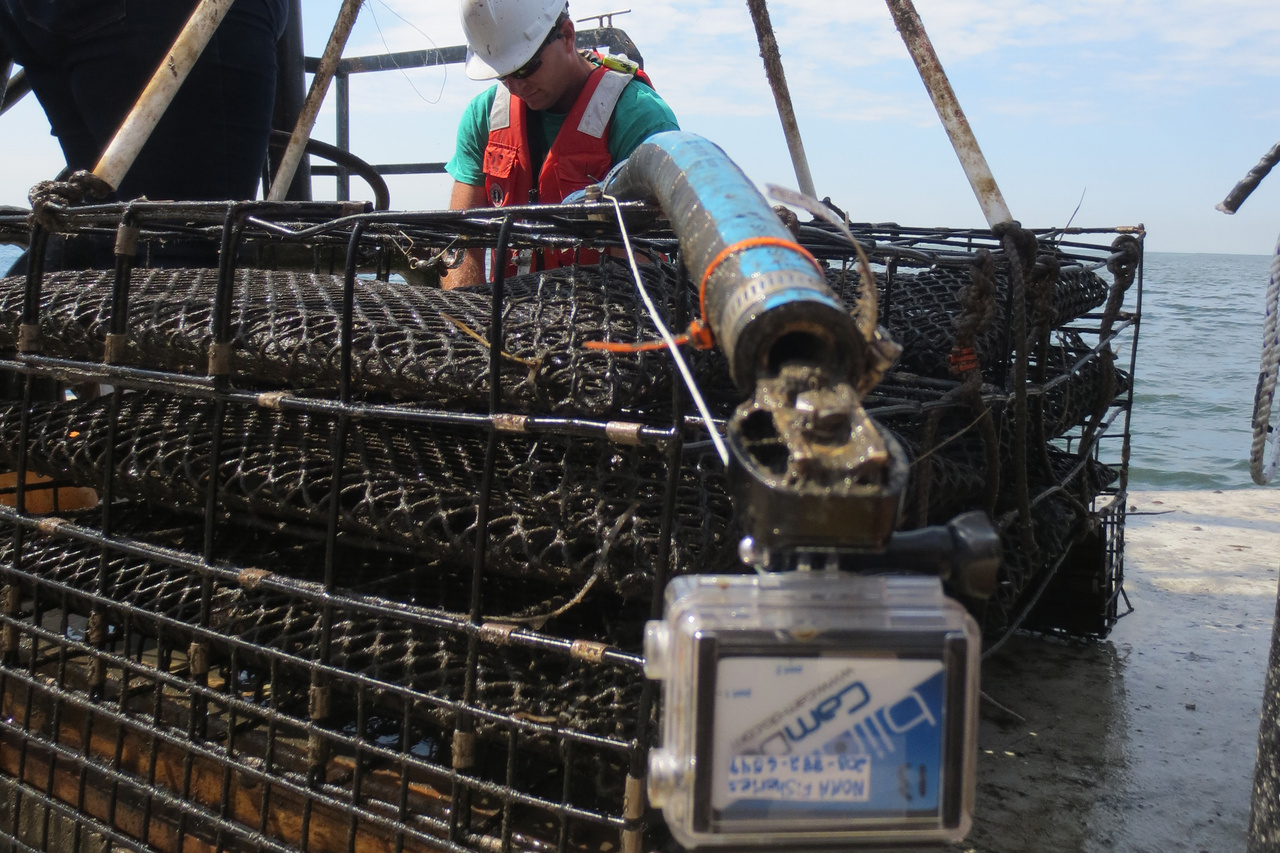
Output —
<point x="1144" y="741"/>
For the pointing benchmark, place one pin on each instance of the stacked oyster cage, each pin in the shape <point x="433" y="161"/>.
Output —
<point x="332" y="560"/>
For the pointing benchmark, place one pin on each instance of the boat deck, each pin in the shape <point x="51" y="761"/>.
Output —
<point x="1145" y="741"/>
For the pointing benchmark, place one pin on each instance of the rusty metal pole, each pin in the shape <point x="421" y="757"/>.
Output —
<point x="155" y="99"/>
<point x="948" y="107"/>
<point x="999" y="219"/>
<point x="1250" y="182"/>
<point x="781" y="94"/>
<point x="315" y="97"/>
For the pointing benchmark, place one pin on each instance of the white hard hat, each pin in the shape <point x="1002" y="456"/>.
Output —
<point x="502" y="35"/>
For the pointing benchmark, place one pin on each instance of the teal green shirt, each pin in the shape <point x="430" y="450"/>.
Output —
<point x="639" y="114"/>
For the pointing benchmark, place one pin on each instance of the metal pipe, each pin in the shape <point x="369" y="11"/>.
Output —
<point x="781" y="94"/>
<point x="766" y="302"/>
<point x="155" y="99"/>
<point x="998" y="218"/>
<point x="342" y="89"/>
<point x="948" y="107"/>
<point x="345" y="159"/>
<point x="1249" y="182"/>
<point x="315" y="97"/>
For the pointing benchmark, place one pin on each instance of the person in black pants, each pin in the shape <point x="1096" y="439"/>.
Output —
<point x="89" y="60"/>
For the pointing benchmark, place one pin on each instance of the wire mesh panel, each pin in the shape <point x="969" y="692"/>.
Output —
<point x="337" y="561"/>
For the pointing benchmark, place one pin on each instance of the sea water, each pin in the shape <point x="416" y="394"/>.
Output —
<point x="1199" y="345"/>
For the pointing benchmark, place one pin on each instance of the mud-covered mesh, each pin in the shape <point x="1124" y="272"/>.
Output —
<point x="277" y="630"/>
<point x="922" y="307"/>
<point x="384" y="672"/>
<point x="952" y="469"/>
<point x="564" y="510"/>
<point x="1058" y="519"/>
<point x="426" y="345"/>
<point x="420" y="344"/>
<point x="400" y="651"/>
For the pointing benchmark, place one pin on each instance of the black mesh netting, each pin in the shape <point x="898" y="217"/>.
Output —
<point x="1058" y="518"/>
<point x="565" y="511"/>
<point x="413" y="343"/>
<point x="422" y="344"/>
<point x="922" y="307"/>
<point x="956" y="453"/>
<point x="218" y="537"/>
<point x="429" y="659"/>
<point x="272" y="634"/>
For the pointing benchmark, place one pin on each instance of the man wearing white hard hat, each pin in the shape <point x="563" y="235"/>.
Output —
<point x="557" y="121"/>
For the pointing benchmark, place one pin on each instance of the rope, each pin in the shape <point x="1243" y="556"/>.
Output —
<point x="1020" y="248"/>
<point x="539" y="620"/>
<point x="1263" y="473"/>
<point x="51" y="198"/>
<point x="979" y="312"/>
<point x="1123" y="266"/>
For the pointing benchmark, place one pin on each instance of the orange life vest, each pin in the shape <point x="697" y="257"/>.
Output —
<point x="579" y="156"/>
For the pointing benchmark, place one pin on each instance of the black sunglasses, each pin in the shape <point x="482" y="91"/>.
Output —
<point x="531" y="67"/>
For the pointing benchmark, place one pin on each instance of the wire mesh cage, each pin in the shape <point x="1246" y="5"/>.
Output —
<point x="303" y="553"/>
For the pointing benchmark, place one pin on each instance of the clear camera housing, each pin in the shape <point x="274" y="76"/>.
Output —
<point x="814" y="709"/>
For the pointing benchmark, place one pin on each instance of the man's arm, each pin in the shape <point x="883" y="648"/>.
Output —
<point x="464" y="197"/>
<point x="467" y="169"/>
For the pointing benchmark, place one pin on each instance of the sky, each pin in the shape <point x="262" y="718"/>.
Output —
<point x="1093" y="112"/>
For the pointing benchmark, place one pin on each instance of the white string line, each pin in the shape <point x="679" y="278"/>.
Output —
<point x="667" y="338"/>
<point x="1263" y="474"/>
<point x="404" y="72"/>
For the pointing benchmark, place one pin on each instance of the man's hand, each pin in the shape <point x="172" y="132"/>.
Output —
<point x="471" y="271"/>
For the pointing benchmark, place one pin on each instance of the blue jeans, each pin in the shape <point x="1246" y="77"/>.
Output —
<point x="88" y="60"/>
